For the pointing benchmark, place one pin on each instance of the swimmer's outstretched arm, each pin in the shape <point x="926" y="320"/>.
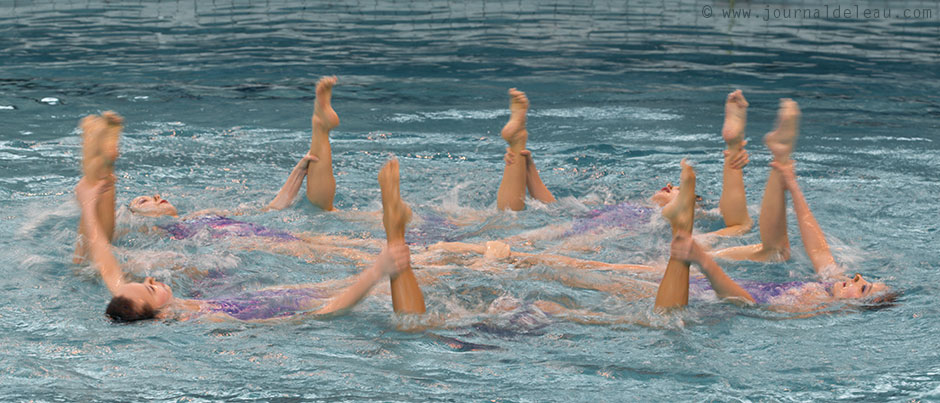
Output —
<point x="321" y="184"/>
<point x="685" y="249"/>
<point x="533" y="181"/>
<point x="285" y="197"/>
<point x="813" y="238"/>
<point x="390" y="262"/>
<point x="511" y="193"/>
<point x="88" y="194"/>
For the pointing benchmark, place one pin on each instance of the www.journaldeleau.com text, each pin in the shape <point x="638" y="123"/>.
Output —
<point x="819" y="12"/>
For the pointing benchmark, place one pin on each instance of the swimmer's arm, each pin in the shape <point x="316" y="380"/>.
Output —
<point x="96" y="241"/>
<point x="570" y="262"/>
<point x="285" y="197"/>
<point x="734" y="230"/>
<point x="813" y="238"/>
<point x="211" y="211"/>
<point x="364" y="283"/>
<point x="458" y="247"/>
<point x="723" y="285"/>
<point x="533" y="181"/>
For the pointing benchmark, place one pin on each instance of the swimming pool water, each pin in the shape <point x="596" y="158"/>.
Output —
<point x="217" y="99"/>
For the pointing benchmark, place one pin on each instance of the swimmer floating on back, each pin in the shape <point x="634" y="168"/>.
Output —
<point x="791" y="296"/>
<point x="732" y="204"/>
<point x="152" y="299"/>
<point x="316" y="166"/>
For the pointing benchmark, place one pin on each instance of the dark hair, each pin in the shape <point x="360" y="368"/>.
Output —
<point x="883" y="300"/>
<point x="122" y="309"/>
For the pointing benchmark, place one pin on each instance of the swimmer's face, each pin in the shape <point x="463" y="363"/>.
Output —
<point x="856" y="288"/>
<point x="665" y="195"/>
<point x="150" y="293"/>
<point x="152" y="206"/>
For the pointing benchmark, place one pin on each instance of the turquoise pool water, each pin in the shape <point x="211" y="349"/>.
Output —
<point x="217" y="99"/>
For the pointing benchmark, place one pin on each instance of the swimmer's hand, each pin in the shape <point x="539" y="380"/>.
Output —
<point x="684" y="248"/>
<point x="739" y="161"/>
<point x="305" y="162"/>
<point x="788" y="171"/>
<point x="307" y="159"/>
<point x="394" y="259"/>
<point x="87" y="192"/>
<point x="510" y="158"/>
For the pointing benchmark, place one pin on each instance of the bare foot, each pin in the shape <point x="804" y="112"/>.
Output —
<point x="395" y="213"/>
<point x="95" y="162"/>
<point x="781" y="141"/>
<point x="514" y="132"/>
<point x="324" y="117"/>
<point x="112" y="135"/>
<point x="735" y="120"/>
<point x="681" y="210"/>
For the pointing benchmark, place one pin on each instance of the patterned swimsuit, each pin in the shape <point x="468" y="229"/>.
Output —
<point x="221" y="227"/>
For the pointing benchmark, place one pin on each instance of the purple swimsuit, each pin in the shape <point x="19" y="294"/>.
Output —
<point x="623" y="215"/>
<point x="265" y="304"/>
<point x="220" y="227"/>
<point x="432" y="229"/>
<point x="764" y="293"/>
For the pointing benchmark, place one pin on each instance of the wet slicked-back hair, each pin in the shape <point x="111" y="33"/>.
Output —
<point x="122" y="309"/>
<point x="882" y="301"/>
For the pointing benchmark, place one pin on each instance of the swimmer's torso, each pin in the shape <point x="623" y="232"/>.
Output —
<point x="265" y="304"/>
<point x="623" y="215"/>
<point x="220" y="227"/>
<point x="771" y="293"/>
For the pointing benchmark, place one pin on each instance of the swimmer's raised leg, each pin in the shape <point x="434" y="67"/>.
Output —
<point x="511" y="193"/>
<point x="406" y="294"/>
<point x="733" y="202"/>
<point x="674" y="288"/>
<point x="321" y="184"/>
<point x="100" y="137"/>
<point x="782" y="140"/>
<point x="773" y="215"/>
<point x="775" y="245"/>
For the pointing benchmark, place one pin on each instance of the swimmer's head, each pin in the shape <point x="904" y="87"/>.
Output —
<point x="139" y="301"/>
<point x="882" y="300"/>
<point x="496" y="250"/>
<point x="665" y="195"/>
<point x="857" y="288"/>
<point x="152" y="206"/>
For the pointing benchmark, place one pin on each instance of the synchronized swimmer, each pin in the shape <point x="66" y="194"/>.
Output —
<point x="149" y="298"/>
